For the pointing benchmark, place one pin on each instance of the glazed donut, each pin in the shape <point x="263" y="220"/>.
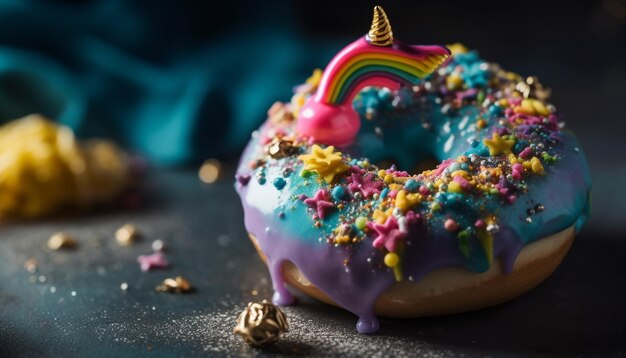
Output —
<point x="339" y="205"/>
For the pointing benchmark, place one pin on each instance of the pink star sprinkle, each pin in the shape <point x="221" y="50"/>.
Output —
<point x="320" y="203"/>
<point x="148" y="262"/>
<point x="367" y="185"/>
<point x="389" y="234"/>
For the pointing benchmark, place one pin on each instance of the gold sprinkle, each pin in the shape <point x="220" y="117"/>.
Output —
<point x="126" y="235"/>
<point x="178" y="284"/>
<point x="61" y="240"/>
<point x="254" y="292"/>
<point x="210" y="171"/>
<point x="280" y="148"/>
<point x="261" y="324"/>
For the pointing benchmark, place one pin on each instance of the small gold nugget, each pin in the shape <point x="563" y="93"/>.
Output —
<point x="61" y="240"/>
<point x="280" y="148"/>
<point x="126" y="235"/>
<point x="176" y="285"/>
<point x="261" y="324"/>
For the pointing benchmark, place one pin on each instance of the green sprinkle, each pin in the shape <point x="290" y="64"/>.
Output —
<point x="360" y="222"/>
<point x="480" y="97"/>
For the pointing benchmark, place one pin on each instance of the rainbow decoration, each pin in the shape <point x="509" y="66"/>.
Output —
<point x="373" y="60"/>
<point x="345" y="75"/>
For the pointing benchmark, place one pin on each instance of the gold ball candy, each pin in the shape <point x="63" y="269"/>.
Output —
<point x="61" y="240"/>
<point x="261" y="324"/>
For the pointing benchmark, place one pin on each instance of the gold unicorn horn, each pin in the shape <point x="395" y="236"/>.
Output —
<point x="380" y="33"/>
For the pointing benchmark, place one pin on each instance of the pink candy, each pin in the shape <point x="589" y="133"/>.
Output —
<point x="516" y="171"/>
<point x="450" y="225"/>
<point x="328" y="124"/>
<point x="462" y="181"/>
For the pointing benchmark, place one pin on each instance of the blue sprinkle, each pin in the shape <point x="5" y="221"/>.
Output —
<point x="279" y="183"/>
<point x="411" y="185"/>
<point x="261" y="180"/>
<point x="383" y="194"/>
<point x="495" y="110"/>
<point x="371" y="102"/>
<point x="454" y="167"/>
<point x="338" y="192"/>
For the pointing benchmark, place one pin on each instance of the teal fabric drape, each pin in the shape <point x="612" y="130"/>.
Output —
<point x="143" y="74"/>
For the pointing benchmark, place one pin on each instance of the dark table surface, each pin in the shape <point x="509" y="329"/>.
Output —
<point x="73" y="304"/>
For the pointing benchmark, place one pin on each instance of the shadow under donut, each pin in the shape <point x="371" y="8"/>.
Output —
<point x="579" y="309"/>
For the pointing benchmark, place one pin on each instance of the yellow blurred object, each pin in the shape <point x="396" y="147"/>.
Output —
<point x="43" y="169"/>
<point x="457" y="48"/>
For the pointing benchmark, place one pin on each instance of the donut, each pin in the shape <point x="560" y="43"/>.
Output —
<point x="408" y="181"/>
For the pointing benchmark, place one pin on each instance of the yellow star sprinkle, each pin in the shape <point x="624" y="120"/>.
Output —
<point x="325" y="162"/>
<point x="381" y="216"/>
<point x="498" y="145"/>
<point x="405" y="201"/>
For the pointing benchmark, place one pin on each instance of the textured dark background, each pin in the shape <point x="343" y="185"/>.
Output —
<point x="578" y="49"/>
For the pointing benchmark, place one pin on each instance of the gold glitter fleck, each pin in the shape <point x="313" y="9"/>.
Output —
<point x="61" y="240"/>
<point x="210" y="171"/>
<point x="261" y="324"/>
